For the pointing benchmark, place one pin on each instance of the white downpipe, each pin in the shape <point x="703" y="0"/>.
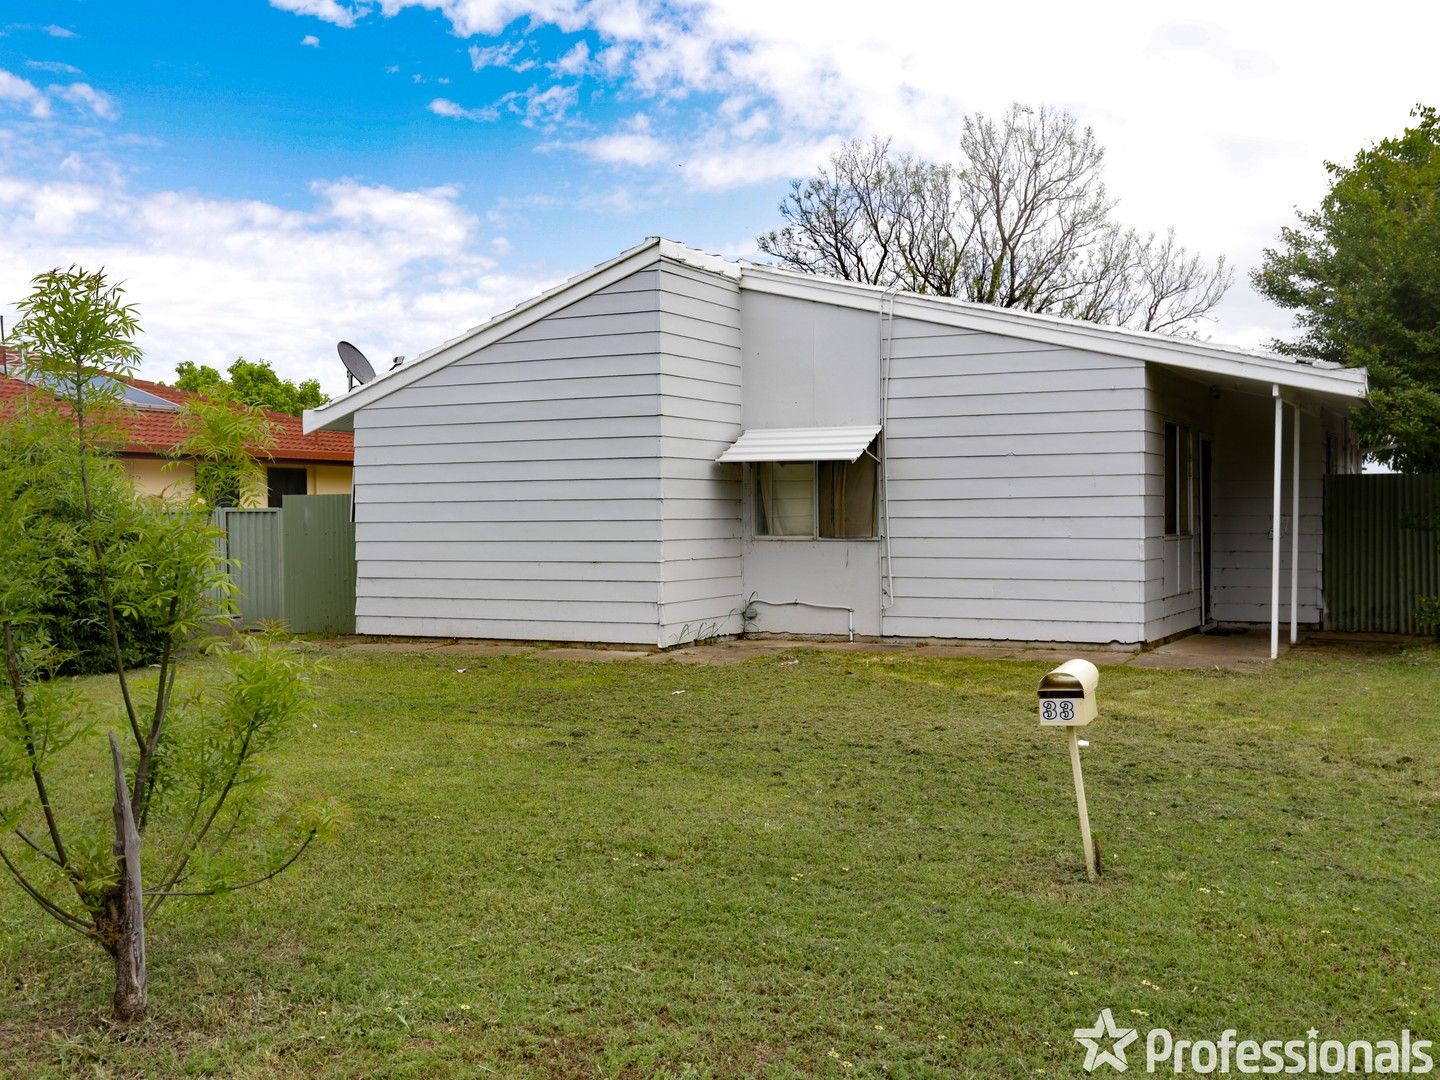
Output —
<point x="1275" y="524"/>
<point x="887" y="332"/>
<point x="1295" y="530"/>
<point x="849" y="611"/>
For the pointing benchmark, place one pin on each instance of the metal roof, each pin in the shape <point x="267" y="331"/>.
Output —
<point x="1186" y="354"/>
<point x="801" y="444"/>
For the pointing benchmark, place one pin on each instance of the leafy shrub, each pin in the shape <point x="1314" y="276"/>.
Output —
<point x="71" y="613"/>
<point x="1427" y="613"/>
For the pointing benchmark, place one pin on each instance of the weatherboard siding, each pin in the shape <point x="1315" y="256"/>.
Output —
<point x="517" y="492"/>
<point x="700" y="527"/>
<point x="1016" y="489"/>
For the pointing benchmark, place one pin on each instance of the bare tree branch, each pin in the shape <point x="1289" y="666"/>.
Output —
<point x="159" y="896"/>
<point x="1022" y="220"/>
<point x="49" y="906"/>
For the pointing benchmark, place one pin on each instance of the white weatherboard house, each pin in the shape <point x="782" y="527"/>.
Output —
<point x="671" y="443"/>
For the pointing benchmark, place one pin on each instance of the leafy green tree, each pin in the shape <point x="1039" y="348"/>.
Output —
<point x="71" y="605"/>
<point x="201" y="379"/>
<point x="251" y="383"/>
<point x="190" y="814"/>
<point x="1362" y="275"/>
<point x="223" y="444"/>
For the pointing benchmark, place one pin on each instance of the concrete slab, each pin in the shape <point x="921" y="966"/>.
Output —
<point x="1098" y="657"/>
<point x="484" y="648"/>
<point x="392" y="647"/>
<point x="702" y="655"/>
<point x="1228" y="652"/>
<point x="1246" y="651"/>
<point x="600" y="655"/>
<point x="961" y="652"/>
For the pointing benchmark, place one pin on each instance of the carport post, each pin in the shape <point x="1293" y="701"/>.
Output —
<point x="1295" y="531"/>
<point x="1275" y="523"/>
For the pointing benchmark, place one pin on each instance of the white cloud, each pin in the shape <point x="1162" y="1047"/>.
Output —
<point x="720" y="161"/>
<point x="59" y="31"/>
<point x="395" y="271"/>
<point x="549" y="106"/>
<point x="624" y="148"/>
<point x="453" y="111"/>
<point x="54" y="67"/>
<point x="471" y="18"/>
<point x="22" y="93"/>
<point x="311" y="41"/>
<point x="84" y="96"/>
<point x="504" y="55"/>
<point x="330" y="11"/>
<point x="574" y="62"/>
<point x="47" y="209"/>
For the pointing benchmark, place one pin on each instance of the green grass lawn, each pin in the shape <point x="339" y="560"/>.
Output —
<point x="856" y="865"/>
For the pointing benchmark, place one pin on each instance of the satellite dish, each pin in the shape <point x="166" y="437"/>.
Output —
<point x="355" y="363"/>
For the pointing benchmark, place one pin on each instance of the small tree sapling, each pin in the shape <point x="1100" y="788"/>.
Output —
<point x="189" y="811"/>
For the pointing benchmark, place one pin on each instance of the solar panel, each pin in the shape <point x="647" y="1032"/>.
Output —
<point x="131" y="395"/>
<point x="144" y="399"/>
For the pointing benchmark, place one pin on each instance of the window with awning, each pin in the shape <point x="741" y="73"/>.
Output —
<point x="812" y="483"/>
<point x="801" y="444"/>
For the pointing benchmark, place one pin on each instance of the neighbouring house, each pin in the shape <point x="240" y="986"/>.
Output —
<point x="299" y="464"/>
<point x="675" y="446"/>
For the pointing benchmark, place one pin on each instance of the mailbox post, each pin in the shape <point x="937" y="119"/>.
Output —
<point x="1067" y="699"/>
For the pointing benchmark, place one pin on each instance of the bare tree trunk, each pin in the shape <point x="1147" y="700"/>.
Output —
<point x="126" y="904"/>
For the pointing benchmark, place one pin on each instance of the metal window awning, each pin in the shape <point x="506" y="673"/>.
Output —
<point x="801" y="444"/>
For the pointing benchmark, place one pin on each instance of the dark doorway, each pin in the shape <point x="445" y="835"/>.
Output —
<point x="284" y="482"/>
<point x="1206" y="559"/>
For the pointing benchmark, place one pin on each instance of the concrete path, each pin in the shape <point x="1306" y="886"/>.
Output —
<point x="1246" y="651"/>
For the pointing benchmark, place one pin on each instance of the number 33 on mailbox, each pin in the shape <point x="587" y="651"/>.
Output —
<point x="1067" y="695"/>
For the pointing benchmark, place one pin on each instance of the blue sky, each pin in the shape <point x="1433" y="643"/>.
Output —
<point x="269" y="176"/>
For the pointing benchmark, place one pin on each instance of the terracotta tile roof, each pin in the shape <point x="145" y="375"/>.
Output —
<point x="156" y="432"/>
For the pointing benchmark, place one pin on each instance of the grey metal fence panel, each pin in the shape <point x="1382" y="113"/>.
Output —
<point x="256" y="560"/>
<point x="1382" y="550"/>
<point x="319" y="565"/>
<point x="294" y="565"/>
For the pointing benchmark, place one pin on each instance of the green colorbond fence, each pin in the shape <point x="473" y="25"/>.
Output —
<point x="295" y="565"/>
<point x="1382" y="550"/>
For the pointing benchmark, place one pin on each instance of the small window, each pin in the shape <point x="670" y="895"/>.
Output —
<point x="828" y="500"/>
<point x="847" y="499"/>
<point x="282" y="482"/>
<point x="785" y="503"/>
<point x="1178" y="506"/>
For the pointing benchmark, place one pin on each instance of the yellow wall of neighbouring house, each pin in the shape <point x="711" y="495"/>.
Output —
<point x="157" y="476"/>
<point x="152" y="477"/>
<point x="330" y="479"/>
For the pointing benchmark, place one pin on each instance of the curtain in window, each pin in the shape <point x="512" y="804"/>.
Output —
<point x="847" y="498"/>
<point x="787" y="498"/>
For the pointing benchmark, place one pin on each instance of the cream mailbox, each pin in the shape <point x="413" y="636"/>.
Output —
<point x="1067" y="694"/>
<point x="1067" y="699"/>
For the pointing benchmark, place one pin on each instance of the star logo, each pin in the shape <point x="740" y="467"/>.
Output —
<point x="1105" y="1029"/>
